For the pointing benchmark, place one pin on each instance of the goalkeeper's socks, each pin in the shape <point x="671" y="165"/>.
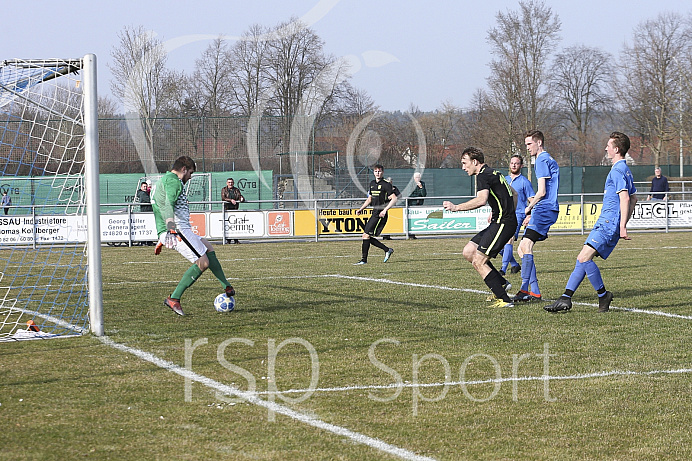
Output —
<point x="216" y="269"/>
<point x="189" y="277"/>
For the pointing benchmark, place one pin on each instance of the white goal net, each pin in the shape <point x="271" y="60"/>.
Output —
<point x="48" y="156"/>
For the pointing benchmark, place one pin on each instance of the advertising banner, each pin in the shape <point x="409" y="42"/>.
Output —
<point x="137" y="227"/>
<point x="43" y="229"/>
<point x="279" y="223"/>
<point x="115" y="227"/>
<point x="470" y="222"/>
<point x="648" y="215"/>
<point x="238" y="224"/>
<point x="343" y="221"/>
<point x="571" y="215"/>
<point x="142" y="227"/>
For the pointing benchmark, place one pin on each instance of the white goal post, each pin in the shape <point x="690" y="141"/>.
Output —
<point x="49" y="178"/>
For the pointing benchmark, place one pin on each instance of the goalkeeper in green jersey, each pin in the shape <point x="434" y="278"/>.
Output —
<point x="172" y="214"/>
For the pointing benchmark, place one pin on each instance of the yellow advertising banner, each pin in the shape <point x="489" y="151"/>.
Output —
<point x="343" y="221"/>
<point x="571" y="215"/>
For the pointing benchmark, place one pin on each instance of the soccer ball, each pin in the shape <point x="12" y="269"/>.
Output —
<point x="224" y="303"/>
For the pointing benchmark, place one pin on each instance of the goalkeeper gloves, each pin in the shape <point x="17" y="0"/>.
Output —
<point x="170" y="240"/>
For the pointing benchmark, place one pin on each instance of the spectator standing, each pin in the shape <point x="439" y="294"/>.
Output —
<point x="232" y="198"/>
<point x="6" y="202"/>
<point x="143" y="198"/>
<point x="418" y="191"/>
<point x="659" y="183"/>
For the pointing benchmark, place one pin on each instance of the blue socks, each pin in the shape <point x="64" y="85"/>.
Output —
<point x="586" y="269"/>
<point x="576" y="277"/>
<point x="594" y="275"/>
<point x="508" y="257"/>
<point x="529" y="280"/>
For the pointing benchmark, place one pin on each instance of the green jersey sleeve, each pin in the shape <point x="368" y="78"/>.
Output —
<point x="164" y="196"/>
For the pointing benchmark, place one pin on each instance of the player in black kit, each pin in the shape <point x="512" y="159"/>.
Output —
<point x="382" y="196"/>
<point x="492" y="189"/>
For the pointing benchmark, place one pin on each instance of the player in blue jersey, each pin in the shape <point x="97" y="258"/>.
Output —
<point x="619" y="200"/>
<point x="525" y="193"/>
<point x="172" y="216"/>
<point x="542" y="212"/>
<point x="491" y="189"/>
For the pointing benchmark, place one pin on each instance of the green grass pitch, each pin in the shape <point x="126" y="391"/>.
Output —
<point x="403" y="360"/>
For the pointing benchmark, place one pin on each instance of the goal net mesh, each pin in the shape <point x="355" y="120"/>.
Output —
<point x="43" y="257"/>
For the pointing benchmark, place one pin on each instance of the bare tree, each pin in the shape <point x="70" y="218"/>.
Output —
<point x="350" y="107"/>
<point x="356" y="102"/>
<point x="501" y="106"/>
<point x="492" y="128"/>
<point x="107" y="107"/>
<point x="649" y="85"/>
<point x="190" y="108"/>
<point x="248" y="69"/>
<point x="141" y="81"/>
<point x="441" y="128"/>
<point x="581" y="81"/>
<point x="522" y="42"/>
<point x="214" y="92"/>
<point x="684" y="71"/>
<point x="213" y="76"/>
<point x="303" y="78"/>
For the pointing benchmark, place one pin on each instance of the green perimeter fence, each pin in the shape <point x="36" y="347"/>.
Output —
<point x="119" y="189"/>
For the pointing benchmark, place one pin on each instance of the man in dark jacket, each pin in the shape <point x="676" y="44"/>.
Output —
<point x="232" y="197"/>
<point x="418" y="191"/>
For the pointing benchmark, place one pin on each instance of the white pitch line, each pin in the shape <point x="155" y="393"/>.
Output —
<point x="408" y="284"/>
<point x="252" y="397"/>
<point x="439" y="287"/>
<point x="421" y="285"/>
<point x="600" y="374"/>
<point x="643" y="311"/>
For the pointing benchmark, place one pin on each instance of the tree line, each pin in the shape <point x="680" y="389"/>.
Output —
<point x="575" y="95"/>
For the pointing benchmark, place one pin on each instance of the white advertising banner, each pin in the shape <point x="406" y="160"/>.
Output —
<point x="238" y="224"/>
<point x="115" y="228"/>
<point x="42" y="229"/>
<point x="648" y="215"/>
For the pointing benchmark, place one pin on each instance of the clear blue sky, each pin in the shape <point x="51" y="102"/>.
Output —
<point x="436" y="49"/>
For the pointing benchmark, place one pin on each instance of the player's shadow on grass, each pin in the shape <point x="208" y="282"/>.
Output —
<point x="665" y="300"/>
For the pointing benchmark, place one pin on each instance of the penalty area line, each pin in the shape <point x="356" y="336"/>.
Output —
<point x="253" y="398"/>
<point x="468" y="290"/>
<point x="406" y="385"/>
<point x="408" y="284"/>
<point x="411" y="284"/>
